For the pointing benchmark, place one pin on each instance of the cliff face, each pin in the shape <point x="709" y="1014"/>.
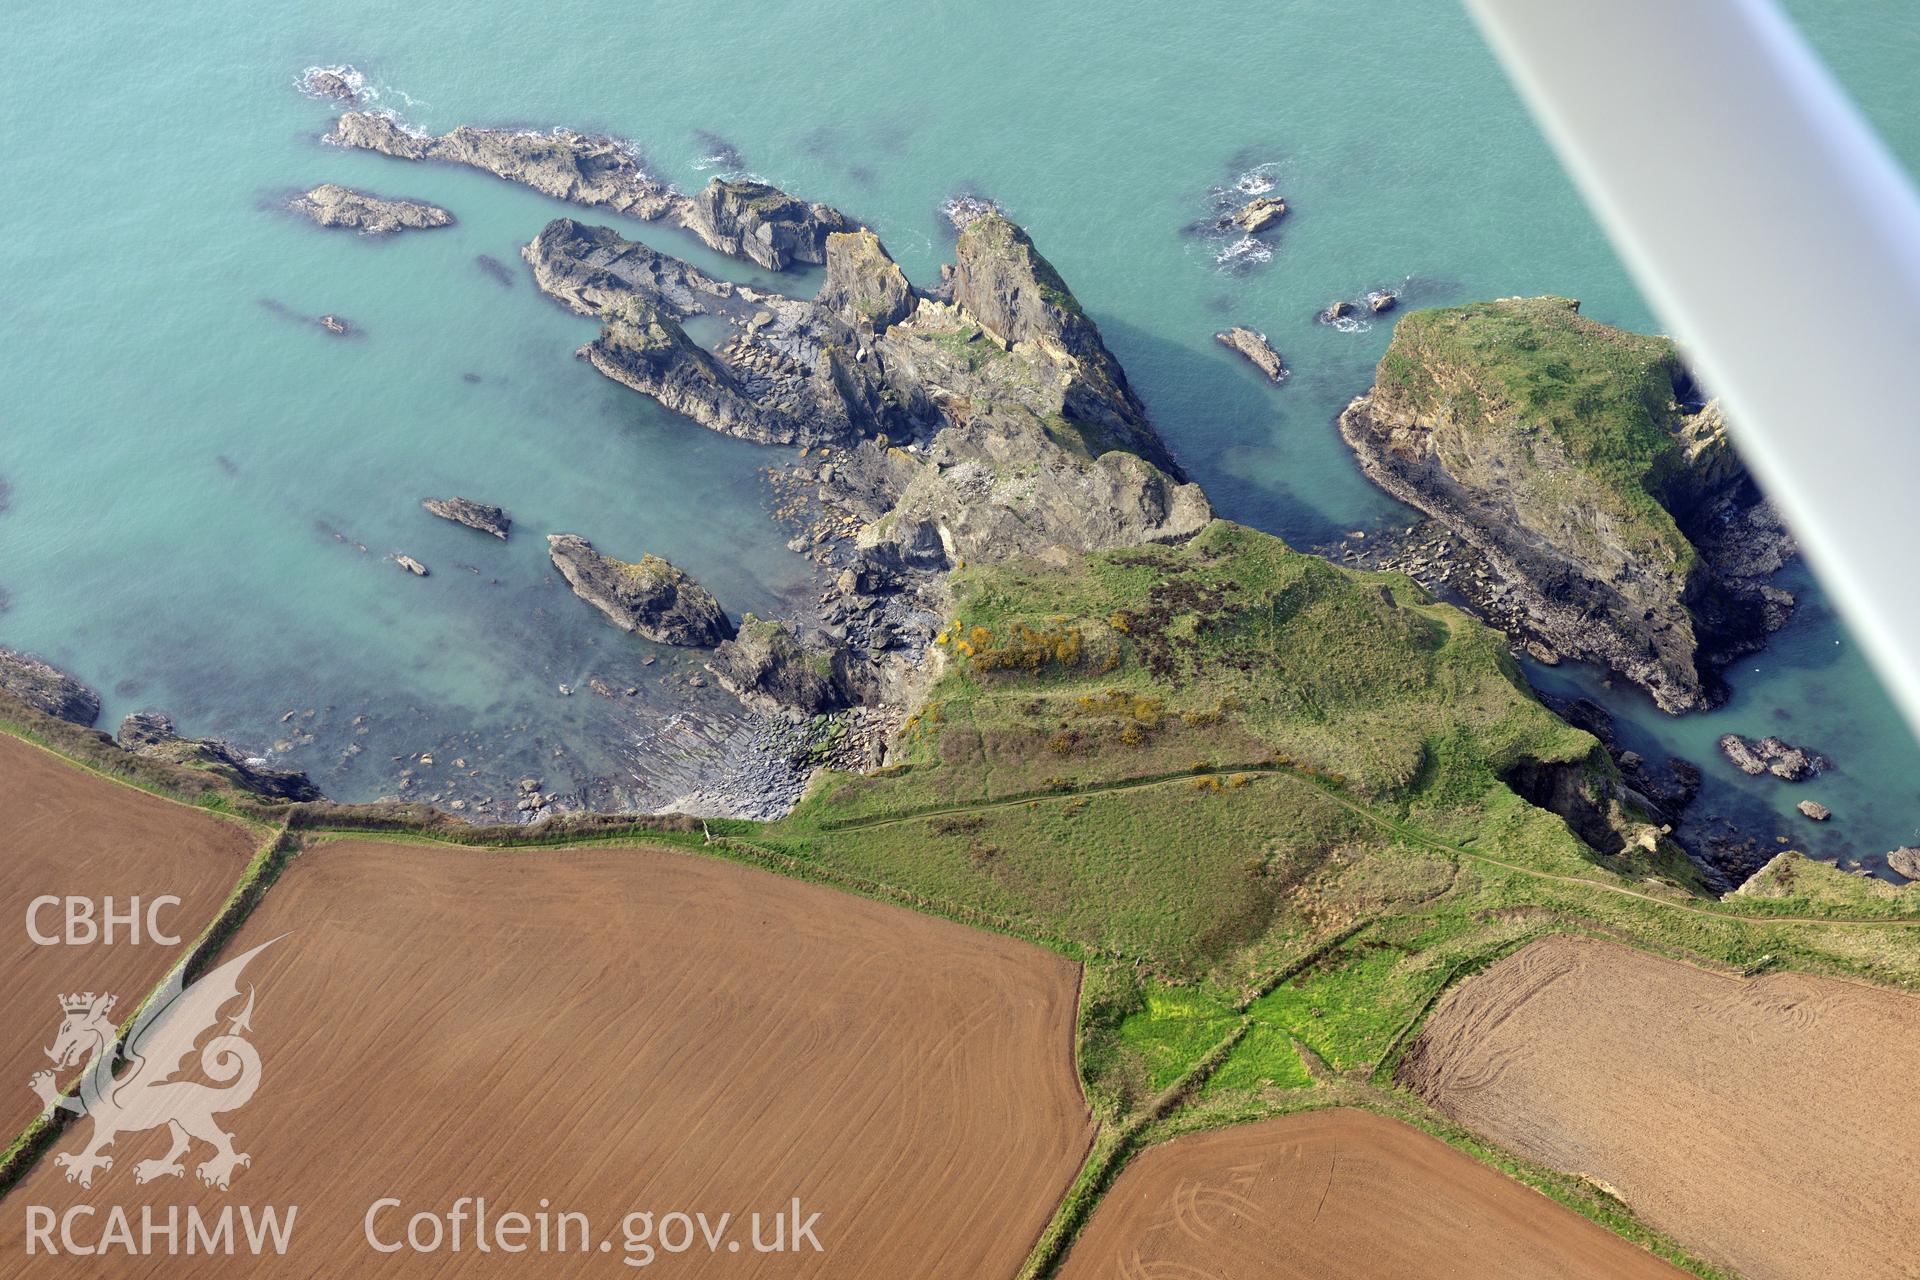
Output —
<point x="1567" y="453"/>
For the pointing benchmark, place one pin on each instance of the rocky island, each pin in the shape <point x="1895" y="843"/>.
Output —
<point x="748" y="220"/>
<point x="1617" y="523"/>
<point x="650" y="597"/>
<point x="332" y="205"/>
<point x="482" y="517"/>
<point x="1257" y="350"/>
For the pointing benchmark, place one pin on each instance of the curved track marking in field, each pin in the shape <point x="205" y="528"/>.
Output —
<point x="1337" y="1192"/>
<point x="1750" y="1119"/>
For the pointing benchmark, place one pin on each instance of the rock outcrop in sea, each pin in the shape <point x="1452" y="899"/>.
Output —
<point x="748" y="220"/>
<point x="651" y="597"/>
<point x="768" y="667"/>
<point x="47" y="688"/>
<point x="332" y="205"/>
<point x="1257" y="350"/>
<point x="1771" y="755"/>
<point x="1619" y="525"/>
<point x="481" y="516"/>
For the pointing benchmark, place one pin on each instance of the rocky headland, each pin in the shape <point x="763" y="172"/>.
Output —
<point x="47" y="688"/>
<point x="332" y="205"/>
<point x="1616" y="524"/>
<point x="974" y="420"/>
<point x="146" y="733"/>
<point x="649" y="597"/>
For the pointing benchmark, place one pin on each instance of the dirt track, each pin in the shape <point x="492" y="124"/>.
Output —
<point x="1335" y="1193"/>
<point x="1764" y="1123"/>
<point x="64" y="831"/>
<point x="621" y="1030"/>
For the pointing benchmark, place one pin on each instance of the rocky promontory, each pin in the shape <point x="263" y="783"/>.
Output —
<point x="651" y="597"/>
<point x="978" y="419"/>
<point x="149" y="734"/>
<point x="481" y="516"/>
<point x="332" y="205"/>
<point x="1258" y="351"/>
<point x="47" y="688"/>
<point x="1619" y="526"/>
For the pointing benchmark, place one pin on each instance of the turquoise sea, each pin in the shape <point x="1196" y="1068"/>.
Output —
<point x="191" y="465"/>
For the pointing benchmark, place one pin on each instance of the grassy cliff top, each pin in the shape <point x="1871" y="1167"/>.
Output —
<point x="1521" y="373"/>
<point x="1175" y="753"/>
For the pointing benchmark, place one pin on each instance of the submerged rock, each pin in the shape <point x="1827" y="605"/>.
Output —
<point x="1815" y="810"/>
<point x="1256" y="348"/>
<point x="150" y="734"/>
<point x="1566" y="455"/>
<point x="340" y="84"/>
<point x="651" y="598"/>
<point x="1771" y="755"/>
<point x="482" y="516"/>
<point x="47" y="688"/>
<point x="332" y="205"/>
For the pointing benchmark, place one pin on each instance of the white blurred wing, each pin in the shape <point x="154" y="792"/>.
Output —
<point x="1780" y="242"/>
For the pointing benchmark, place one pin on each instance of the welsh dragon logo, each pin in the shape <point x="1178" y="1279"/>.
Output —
<point x="144" y="1094"/>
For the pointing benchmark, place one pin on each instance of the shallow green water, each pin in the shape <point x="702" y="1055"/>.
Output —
<point x="179" y="454"/>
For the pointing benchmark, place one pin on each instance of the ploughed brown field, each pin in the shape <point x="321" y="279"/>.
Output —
<point x="1760" y="1122"/>
<point x="67" y="832"/>
<point x="612" y="1031"/>
<point x="1342" y="1193"/>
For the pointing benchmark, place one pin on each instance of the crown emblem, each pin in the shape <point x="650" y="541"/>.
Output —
<point x="83" y="1002"/>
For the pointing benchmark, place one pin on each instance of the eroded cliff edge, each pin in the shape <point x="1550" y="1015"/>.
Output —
<point x="1618" y="524"/>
